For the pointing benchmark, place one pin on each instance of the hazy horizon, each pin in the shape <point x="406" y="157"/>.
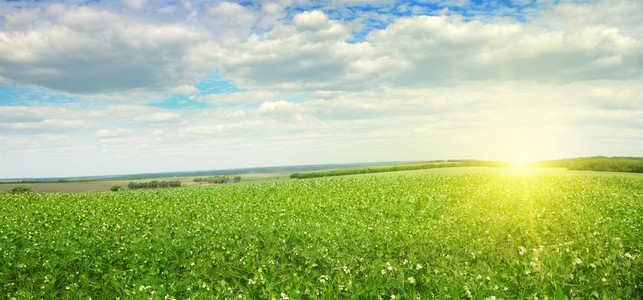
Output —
<point x="93" y="88"/>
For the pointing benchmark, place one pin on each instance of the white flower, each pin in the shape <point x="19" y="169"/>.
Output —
<point x="284" y="296"/>
<point x="418" y="267"/>
<point x="411" y="280"/>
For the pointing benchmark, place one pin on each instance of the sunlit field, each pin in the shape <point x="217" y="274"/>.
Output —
<point x="414" y="235"/>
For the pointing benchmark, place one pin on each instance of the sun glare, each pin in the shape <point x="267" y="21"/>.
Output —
<point x="520" y="164"/>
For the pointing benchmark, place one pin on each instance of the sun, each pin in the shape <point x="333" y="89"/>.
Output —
<point x="520" y="164"/>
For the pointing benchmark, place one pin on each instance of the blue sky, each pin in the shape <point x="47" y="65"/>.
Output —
<point x="114" y="87"/>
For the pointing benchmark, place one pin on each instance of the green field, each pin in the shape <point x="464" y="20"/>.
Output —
<point x="480" y="233"/>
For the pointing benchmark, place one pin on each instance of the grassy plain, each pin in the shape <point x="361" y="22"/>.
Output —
<point x="479" y="233"/>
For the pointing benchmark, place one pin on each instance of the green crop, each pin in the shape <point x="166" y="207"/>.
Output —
<point x="480" y="236"/>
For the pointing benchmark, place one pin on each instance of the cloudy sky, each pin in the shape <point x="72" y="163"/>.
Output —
<point x="109" y="87"/>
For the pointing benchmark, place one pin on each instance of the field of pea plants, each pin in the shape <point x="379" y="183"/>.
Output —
<point x="418" y="235"/>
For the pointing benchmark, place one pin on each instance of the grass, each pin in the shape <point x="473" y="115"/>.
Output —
<point x="460" y="233"/>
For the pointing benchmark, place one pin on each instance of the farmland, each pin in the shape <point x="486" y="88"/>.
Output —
<point x="480" y="233"/>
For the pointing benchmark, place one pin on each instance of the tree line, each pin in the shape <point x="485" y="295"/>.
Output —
<point x="216" y="179"/>
<point x="405" y="167"/>
<point x="153" y="184"/>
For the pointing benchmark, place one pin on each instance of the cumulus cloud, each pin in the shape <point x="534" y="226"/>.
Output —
<point x="231" y="18"/>
<point x="428" y="50"/>
<point x="103" y="52"/>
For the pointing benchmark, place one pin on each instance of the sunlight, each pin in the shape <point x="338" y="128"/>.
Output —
<point x="520" y="164"/>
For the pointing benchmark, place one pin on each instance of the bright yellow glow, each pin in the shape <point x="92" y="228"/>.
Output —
<point x="521" y="164"/>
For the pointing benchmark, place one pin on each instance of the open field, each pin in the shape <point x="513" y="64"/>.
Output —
<point x="441" y="233"/>
<point x="105" y="185"/>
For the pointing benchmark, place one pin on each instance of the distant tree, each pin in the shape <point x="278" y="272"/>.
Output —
<point x="237" y="178"/>
<point x="116" y="188"/>
<point x="19" y="189"/>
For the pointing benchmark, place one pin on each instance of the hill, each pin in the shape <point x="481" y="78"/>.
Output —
<point x="597" y="163"/>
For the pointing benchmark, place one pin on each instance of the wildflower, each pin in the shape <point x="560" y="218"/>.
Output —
<point x="603" y="279"/>
<point x="284" y="296"/>
<point x="418" y="267"/>
<point x="346" y="270"/>
<point x="577" y="261"/>
<point x="466" y="289"/>
<point x="411" y="280"/>
<point x="393" y="296"/>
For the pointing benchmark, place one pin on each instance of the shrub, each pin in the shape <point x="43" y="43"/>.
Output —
<point x="237" y="178"/>
<point x="19" y="189"/>
<point x="116" y="188"/>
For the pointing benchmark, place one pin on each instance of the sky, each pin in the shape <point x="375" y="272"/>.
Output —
<point x="120" y="87"/>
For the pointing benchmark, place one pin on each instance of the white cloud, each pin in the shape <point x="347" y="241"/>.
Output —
<point x="281" y="109"/>
<point x="45" y="125"/>
<point x="314" y="20"/>
<point x="134" y="4"/>
<point x="185" y="90"/>
<point x="113" y="132"/>
<point x="237" y="97"/>
<point x="230" y="114"/>
<point x="31" y="114"/>
<point x="312" y="53"/>
<point x="103" y="52"/>
<point x="230" y="128"/>
<point x="21" y="19"/>
<point x="159" y="117"/>
<point x="233" y="18"/>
